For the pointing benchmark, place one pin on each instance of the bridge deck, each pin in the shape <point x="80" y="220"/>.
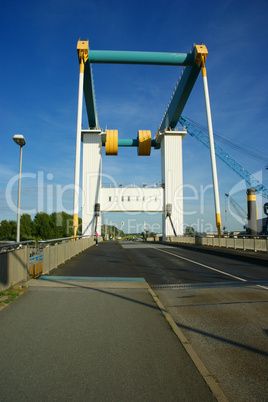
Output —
<point x="92" y="331"/>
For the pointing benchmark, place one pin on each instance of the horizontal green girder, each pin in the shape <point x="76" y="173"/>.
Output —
<point x="133" y="143"/>
<point x="127" y="57"/>
<point x="128" y="142"/>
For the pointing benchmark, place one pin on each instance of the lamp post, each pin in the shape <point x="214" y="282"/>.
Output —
<point x="20" y="140"/>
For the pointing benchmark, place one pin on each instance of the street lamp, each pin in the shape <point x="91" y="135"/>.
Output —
<point x="20" y="140"/>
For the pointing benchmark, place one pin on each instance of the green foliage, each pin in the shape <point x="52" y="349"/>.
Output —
<point x="13" y="229"/>
<point x="189" y="231"/>
<point x="25" y="226"/>
<point x="43" y="226"/>
<point x="111" y="231"/>
<point x="11" y="294"/>
<point x="151" y="234"/>
<point x="5" y="230"/>
<point x="8" y="230"/>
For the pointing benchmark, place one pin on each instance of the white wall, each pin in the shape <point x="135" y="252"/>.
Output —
<point x="92" y="169"/>
<point x="134" y="199"/>
<point x="171" y="170"/>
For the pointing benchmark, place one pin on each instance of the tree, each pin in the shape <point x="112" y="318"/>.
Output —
<point x="13" y="229"/>
<point x="152" y="234"/>
<point x="189" y="231"/>
<point x="5" y="230"/>
<point x="57" y="225"/>
<point x="26" y="226"/>
<point x="42" y="226"/>
<point x="62" y="225"/>
<point x="67" y="224"/>
<point x="111" y="231"/>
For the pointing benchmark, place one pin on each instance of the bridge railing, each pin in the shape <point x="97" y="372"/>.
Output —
<point x="55" y="252"/>
<point x="14" y="262"/>
<point x="250" y="243"/>
<point x="19" y="261"/>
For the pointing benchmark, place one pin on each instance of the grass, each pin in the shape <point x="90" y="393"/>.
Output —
<point x="11" y="294"/>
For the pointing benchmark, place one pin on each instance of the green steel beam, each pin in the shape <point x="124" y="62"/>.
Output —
<point x="183" y="88"/>
<point x="128" y="143"/>
<point x="180" y="96"/>
<point x="133" y="143"/>
<point x="122" y="57"/>
<point x="89" y="93"/>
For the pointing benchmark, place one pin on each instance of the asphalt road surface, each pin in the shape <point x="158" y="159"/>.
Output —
<point x="66" y="341"/>
<point x="161" y="265"/>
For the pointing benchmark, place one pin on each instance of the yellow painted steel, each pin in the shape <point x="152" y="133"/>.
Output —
<point x="218" y="223"/>
<point x="251" y="197"/>
<point x="145" y="142"/>
<point x="36" y="269"/>
<point x="75" y="223"/>
<point x="82" y="51"/>
<point x="204" y="71"/>
<point x="111" y="144"/>
<point x="201" y="53"/>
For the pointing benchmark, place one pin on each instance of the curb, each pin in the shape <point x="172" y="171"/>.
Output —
<point x="208" y="378"/>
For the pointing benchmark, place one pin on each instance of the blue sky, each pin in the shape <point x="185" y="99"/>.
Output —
<point x="39" y="87"/>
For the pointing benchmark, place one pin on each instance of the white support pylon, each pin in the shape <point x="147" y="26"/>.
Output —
<point x="212" y="148"/>
<point x="172" y="179"/>
<point x="82" y="51"/>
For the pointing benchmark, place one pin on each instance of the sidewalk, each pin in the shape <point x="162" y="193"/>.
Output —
<point x="80" y="341"/>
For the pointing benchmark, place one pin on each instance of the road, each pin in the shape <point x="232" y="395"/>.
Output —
<point x="81" y="335"/>
<point x="162" y="264"/>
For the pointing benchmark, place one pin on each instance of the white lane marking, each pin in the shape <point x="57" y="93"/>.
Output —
<point x="263" y="287"/>
<point x="133" y="245"/>
<point x="202" y="265"/>
<point x="195" y="262"/>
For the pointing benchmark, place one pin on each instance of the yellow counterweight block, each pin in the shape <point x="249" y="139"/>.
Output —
<point x="145" y="142"/>
<point x="111" y="144"/>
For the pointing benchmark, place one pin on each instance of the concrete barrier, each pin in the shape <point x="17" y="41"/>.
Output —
<point x="57" y="254"/>
<point x="14" y="267"/>
<point x="15" y="264"/>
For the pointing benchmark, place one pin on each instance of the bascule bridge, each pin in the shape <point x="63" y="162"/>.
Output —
<point x="166" y="198"/>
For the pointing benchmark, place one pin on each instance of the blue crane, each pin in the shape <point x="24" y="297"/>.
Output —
<point x="238" y="209"/>
<point x="201" y="135"/>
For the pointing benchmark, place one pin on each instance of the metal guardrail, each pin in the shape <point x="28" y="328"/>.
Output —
<point x="236" y="242"/>
<point x="72" y="238"/>
<point x="13" y="245"/>
<point x="132" y="185"/>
